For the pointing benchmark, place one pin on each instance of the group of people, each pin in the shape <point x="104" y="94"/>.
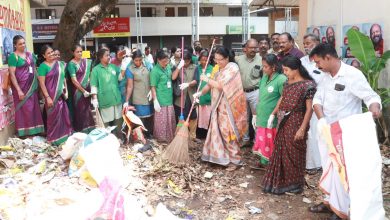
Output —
<point x="272" y="86"/>
<point x="281" y="99"/>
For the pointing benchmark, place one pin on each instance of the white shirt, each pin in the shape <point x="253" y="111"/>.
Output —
<point x="149" y="58"/>
<point x="348" y="100"/>
<point x="311" y="67"/>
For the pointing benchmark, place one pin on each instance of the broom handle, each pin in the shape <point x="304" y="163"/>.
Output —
<point x="182" y="78"/>
<point x="203" y="71"/>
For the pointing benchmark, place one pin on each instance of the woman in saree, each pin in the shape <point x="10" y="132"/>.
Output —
<point x="21" y="66"/>
<point x="79" y="71"/>
<point x="270" y="91"/>
<point x="51" y="76"/>
<point x="204" y="109"/>
<point x="228" y="118"/>
<point x="286" y="169"/>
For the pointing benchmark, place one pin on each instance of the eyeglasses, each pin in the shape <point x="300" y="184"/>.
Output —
<point x="217" y="60"/>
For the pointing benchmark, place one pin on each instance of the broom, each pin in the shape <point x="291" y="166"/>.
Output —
<point x="181" y="118"/>
<point x="177" y="150"/>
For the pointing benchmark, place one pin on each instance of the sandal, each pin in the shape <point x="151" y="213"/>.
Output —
<point x="320" y="208"/>
<point x="257" y="166"/>
<point x="313" y="171"/>
<point x="231" y="167"/>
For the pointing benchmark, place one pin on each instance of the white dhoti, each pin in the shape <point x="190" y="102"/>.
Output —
<point x="313" y="158"/>
<point x="352" y="171"/>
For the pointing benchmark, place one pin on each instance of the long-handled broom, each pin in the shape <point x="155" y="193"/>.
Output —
<point x="177" y="150"/>
<point x="182" y="98"/>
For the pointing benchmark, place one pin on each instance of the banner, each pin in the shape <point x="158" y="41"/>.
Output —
<point x="113" y="27"/>
<point x="44" y="31"/>
<point x="12" y="22"/>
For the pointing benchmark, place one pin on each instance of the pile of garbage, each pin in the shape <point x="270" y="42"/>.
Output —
<point x="83" y="179"/>
<point x="92" y="176"/>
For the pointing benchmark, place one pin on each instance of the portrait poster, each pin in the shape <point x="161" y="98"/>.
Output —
<point x="372" y="30"/>
<point x="325" y="33"/>
<point x="12" y="22"/>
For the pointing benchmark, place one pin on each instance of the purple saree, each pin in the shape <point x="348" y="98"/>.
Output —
<point x="28" y="117"/>
<point x="58" y="121"/>
<point x="83" y="119"/>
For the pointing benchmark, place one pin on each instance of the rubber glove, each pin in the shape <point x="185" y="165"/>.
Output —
<point x="156" y="105"/>
<point x="95" y="103"/>
<point x="197" y="95"/>
<point x="125" y="62"/>
<point x="181" y="64"/>
<point x="125" y="105"/>
<point x="270" y="121"/>
<point x="86" y="94"/>
<point x="254" y="118"/>
<point x="183" y="86"/>
<point x="149" y="95"/>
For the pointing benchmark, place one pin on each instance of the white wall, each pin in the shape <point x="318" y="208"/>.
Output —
<point x="156" y="26"/>
<point x="345" y="12"/>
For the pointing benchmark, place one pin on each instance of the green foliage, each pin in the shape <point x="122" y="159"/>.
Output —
<point x="371" y="66"/>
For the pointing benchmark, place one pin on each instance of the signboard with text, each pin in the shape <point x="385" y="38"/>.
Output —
<point x="44" y="31"/>
<point x="113" y="27"/>
<point x="12" y="22"/>
<point x="237" y="29"/>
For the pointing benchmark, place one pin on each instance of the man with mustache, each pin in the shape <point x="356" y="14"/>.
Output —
<point x="376" y="38"/>
<point x="330" y="36"/>
<point x="197" y="48"/>
<point x="264" y="46"/>
<point x="250" y="69"/>
<point x="313" y="159"/>
<point x="274" y="43"/>
<point x="286" y="44"/>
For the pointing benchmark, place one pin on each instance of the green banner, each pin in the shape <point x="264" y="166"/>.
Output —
<point x="237" y="29"/>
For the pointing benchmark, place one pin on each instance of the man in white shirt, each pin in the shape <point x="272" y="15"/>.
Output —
<point x="148" y="56"/>
<point x="339" y="95"/>
<point x="313" y="158"/>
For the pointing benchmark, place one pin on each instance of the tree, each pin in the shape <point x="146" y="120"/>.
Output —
<point x="79" y="18"/>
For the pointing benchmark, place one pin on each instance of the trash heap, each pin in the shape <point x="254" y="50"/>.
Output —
<point x="83" y="179"/>
<point x="89" y="176"/>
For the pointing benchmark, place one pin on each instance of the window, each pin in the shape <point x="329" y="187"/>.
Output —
<point x="182" y="12"/>
<point x="114" y="13"/>
<point x="45" y="13"/>
<point x="169" y="12"/>
<point x="206" y="11"/>
<point x="235" y="12"/>
<point x="148" y="12"/>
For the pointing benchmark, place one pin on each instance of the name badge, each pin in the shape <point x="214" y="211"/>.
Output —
<point x="270" y="89"/>
<point x="113" y="72"/>
<point x="30" y="69"/>
<point x="339" y="87"/>
<point x="169" y="84"/>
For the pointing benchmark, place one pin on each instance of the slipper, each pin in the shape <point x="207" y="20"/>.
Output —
<point x="257" y="166"/>
<point x="320" y="208"/>
<point x="231" y="168"/>
<point x="313" y="171"/>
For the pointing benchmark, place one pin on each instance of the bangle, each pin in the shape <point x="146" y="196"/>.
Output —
<point x="47" y="96"/>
